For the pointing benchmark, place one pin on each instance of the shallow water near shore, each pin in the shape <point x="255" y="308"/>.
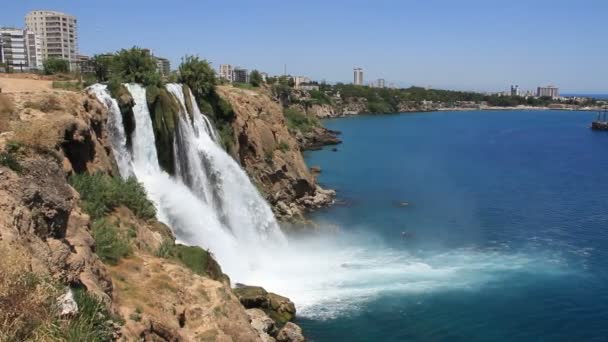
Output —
<point x="459" y="226"/>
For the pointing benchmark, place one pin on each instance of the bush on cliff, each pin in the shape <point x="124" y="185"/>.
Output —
<point x="110" y="244"/>
<point x="195" y="258"/>
<point x="101" y="193"/>
<point x="298" y="121"/>
<point x="164" y="111"/>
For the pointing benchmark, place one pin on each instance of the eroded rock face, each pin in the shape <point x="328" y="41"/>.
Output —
<point x="162" y="300"/>
<point x="39" y="211"/>
<point x="290" y="333"/>
<point x="269" y="153"/>
<point x="279" y="308"/>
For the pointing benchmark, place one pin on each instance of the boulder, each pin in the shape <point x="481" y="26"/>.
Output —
<point x="290" y="333"/>
<point x="279" y="308"/>
<point x="282" y="309"/>
<point x="252" y="296"/>
<point x="263" y="324"/>
<point x="67" y="304"/>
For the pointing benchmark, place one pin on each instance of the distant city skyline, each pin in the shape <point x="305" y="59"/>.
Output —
<point x="466" y="45"/>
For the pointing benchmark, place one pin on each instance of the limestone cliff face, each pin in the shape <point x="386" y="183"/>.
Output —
<point x="271" y="155"/>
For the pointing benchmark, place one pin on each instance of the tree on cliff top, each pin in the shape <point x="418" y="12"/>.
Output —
<point x="136" y="65"/>
<point x="255" y="78"/>
<point x="197" y="74"/>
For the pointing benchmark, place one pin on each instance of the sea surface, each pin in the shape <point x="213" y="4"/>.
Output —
<point x="490" y="226"/>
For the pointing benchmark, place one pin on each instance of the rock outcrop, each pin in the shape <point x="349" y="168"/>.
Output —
<point x="271" y="155"/>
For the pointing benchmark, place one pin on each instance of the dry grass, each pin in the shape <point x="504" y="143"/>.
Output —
<point x="48" y="104"/>
<point x="7" y="112"/>
<point x="26" y="300"/>
<point x="43" y="134"/>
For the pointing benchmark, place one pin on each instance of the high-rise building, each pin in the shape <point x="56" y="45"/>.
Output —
<point x="381" y="83"/>
<point x="226" y="72"/>
<point x="240" y="75"/>
<point x="57" y="33"/>
<point x="163" y="66"/>
<point x="549" y="91"/>
<point x="13" y="51"/>
<point x="358" y="76"/>
<point x="515" y="90"/>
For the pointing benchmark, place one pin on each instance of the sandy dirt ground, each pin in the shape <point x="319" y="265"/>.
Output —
<point x="10" y="83"/>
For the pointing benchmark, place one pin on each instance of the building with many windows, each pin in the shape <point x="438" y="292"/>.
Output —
<point x="549" y="91"/>
<point x="240" y="75"/>
<point x="57" y="33"/>
<point x="226" y="71"/>
<point x="13" y="48"/>
<point x="163" y="66"/>
<point x="358" y="76"/>
<point x="20" y="49"/>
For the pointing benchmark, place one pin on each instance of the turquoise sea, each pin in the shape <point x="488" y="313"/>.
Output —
<point x="500" y="221"/>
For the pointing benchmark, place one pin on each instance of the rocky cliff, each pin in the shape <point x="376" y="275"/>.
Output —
<point x="149" y="288"/>
<point x="271" y="155"/>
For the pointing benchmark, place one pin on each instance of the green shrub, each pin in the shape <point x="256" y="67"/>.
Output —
<point x="243" y="85"/>
<point x="135" y="65"/>
<point x="9" y="158"/>
<point x="298" y="121"/>
<point x="195" y="258"/>
<point x="101" y="193"/>
<point x="283" y="146"/>
<point x="255" y="78"/>
<point x="68" y="85"/>
<point x="55" y="65"/>
<point x="197" y="74"/>
<point x="110" y="244"/>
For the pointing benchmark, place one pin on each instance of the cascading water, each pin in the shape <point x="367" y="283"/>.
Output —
<point x="116" y="130"/>
<point x="211" y="203"/>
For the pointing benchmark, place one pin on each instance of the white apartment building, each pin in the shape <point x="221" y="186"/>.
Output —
<point x="381" y="83"/>
<point x="12" y="48"/>
<point x="57" y="33"/>
<point x="20" y="49"/>
<point x="358" y="76"/>
<point x="226" y="72"/>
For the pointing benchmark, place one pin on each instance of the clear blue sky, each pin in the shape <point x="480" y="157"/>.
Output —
<point x="458" y="44"/>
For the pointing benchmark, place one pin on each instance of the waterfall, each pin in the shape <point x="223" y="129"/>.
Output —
<point x="237" y="201"/>
<point x="210" y="202"/>
<point x="116" y="130"/>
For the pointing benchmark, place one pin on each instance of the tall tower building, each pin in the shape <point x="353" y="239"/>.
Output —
<point x="358" y="76"/>
<point x="57" y="33"/>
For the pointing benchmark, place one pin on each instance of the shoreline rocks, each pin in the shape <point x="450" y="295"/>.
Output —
<point x="271" y="314"/>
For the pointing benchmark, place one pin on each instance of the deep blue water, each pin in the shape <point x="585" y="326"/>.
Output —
<point x="523" y="188"/>
<point x="595" y="96"/>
